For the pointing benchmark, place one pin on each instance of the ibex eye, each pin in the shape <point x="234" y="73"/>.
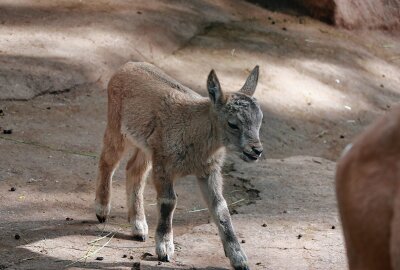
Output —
<point x="232" y="126"/>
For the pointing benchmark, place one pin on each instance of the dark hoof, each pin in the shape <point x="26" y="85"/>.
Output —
<point x="164" y="259"/>
<point x="141" y="238"/>
<point x="242" y="268"/>
<point x="101" y="219"/>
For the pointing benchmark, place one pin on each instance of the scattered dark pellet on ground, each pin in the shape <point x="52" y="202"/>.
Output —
<point x="333" y="227"/>
<point x="1" y="112"/>
<point x="284" y="20"/>
<point x="159" y="263"/>
<point x="341" y="136"/>
<point x="139" y="12"/>
<point x="273" y="22"/>
<point x="382" y="85"/>
<point x="383" y="75"/>
<point x="16" y="236"/>
<point x="388" y="106"/>
<point x="285" y="211"/>
<point x="7" y="131"/>
<point x="264" y="225"/>
<point x="269" y="18"/>
<point x="293" y="128"/>
<point x="284" y="28"/>
<point x="68" y="219"/>
<point x="48" y="108"/>
<point x="299" y="236"/>
<point x="99" y="258"/>
<point x="13" y="189"/>
<point x="258" y="263"/>
<point x="243" y="241"/>
<point x="124" y="256"/>
<point x="131" y="257"/>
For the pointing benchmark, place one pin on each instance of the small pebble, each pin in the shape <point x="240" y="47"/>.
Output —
<point x="341" y="136"/>
<point x="159" y="263"/>
<point x="99" y="258"/>
<point x="333" y="227"/>
<point x="264" y="225"/>
<point x="284" y="28"/>
<point x="243" y="241"/>
<point x="48" y="108"/>
<point x="299" y="236"/>
<point x="16" y="236"/>
<point x="139" y="12"/>
<point x="7" y="131"/>
<point x="273" y="22"/>
<point x="124" y="256"/>
<point x="13" y="189"/>
<point x="131" y="257"/>
<point x="258" y="263"/>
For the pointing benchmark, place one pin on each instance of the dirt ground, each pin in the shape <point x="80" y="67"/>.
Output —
<point x="319" y="87"/>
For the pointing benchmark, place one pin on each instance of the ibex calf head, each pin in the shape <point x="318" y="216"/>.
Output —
<point x="176" y="132"/>
<point x="240" y="116"/>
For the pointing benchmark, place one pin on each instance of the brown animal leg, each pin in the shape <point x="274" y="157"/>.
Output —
<point x="166" y="200"/>
<point x="113" y="149"/>
<point x="136" y="173"/>
<point x="211" y="188"/>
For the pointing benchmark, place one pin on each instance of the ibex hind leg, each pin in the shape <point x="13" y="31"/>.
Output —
<point x="136" y="172"/>
<point x="113" y="150"/>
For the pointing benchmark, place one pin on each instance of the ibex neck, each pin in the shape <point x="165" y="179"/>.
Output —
<point x="206" y="124"/>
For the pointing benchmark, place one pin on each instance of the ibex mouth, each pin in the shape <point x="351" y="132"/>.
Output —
<point x="249" y="157"/>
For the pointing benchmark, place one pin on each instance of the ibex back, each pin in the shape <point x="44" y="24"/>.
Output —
<point x="177" y="132"/>
<point x="368" y="193"/>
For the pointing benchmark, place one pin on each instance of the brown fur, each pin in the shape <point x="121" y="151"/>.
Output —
<point x="176" y="132"/>
<point x="367" y="186"/>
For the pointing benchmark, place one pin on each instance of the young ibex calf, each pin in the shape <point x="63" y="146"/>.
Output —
<point x="176" y="132"/>
<point x="368" y="193"/>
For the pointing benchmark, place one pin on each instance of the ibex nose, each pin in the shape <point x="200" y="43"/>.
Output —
<point x="257" y="150"/>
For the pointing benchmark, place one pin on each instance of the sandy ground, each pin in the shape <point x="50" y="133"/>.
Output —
<point x="318" y="87"/>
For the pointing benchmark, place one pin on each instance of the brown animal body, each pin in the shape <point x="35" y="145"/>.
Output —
<point x="367" y="187"/>
<point x="176" y="132"/>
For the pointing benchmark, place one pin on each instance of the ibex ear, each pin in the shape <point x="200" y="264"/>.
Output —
<point x="251" y="83"/>
<point x="214" y="88"/>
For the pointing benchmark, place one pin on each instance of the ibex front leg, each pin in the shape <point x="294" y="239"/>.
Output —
<point x="211" y="187"/>
<point x="166" y="200"/>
